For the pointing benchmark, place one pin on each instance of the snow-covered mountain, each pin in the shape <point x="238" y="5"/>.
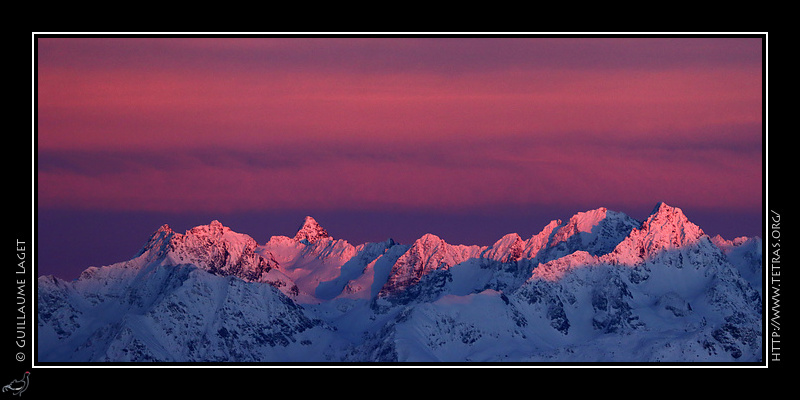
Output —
<point x="600" y="286"/>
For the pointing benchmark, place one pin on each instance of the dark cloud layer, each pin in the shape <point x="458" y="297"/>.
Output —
<point x="441" y="55"/>
<point x="738" y="141"/>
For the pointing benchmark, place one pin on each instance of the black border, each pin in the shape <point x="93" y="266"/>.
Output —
<point x="59" y="377"/>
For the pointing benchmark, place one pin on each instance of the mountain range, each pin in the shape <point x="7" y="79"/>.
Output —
<point x="598" y="287"/>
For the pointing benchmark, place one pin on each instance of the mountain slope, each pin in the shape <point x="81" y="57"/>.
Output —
<point x="427" y="255"/>
<point x="310" y="258"/>
<point x="599" y="286"/>
<point x="665" y="293"/>
<point x="152" y="311"/>
<point x="214" y="248"/>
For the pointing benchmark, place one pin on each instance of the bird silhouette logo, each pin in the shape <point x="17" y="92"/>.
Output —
<point x="17" y="386"/>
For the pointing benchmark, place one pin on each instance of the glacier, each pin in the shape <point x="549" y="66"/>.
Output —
<point x="600" y="287"/>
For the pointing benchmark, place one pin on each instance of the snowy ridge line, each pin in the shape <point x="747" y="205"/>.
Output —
<point x="581" y="290"/>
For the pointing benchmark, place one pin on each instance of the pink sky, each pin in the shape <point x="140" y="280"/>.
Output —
<point x="398" y="123"/>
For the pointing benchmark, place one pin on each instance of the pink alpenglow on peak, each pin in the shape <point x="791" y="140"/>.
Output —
<point x="213" y="247"/>
<point x="311" y="257"/>
<point x="554" y="270"/>
<point x="580" y="222"/>
<point x="608" y="284"/>
<point x="666" y="228"/>
<point x="508" y="249"/>
<point x="427" y="254"/>
<point x="538" y="241"/>
<point x="311" y="231"/>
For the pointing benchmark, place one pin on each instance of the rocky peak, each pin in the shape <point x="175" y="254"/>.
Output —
<point x="215" y="229"/>
<point x="311" y="231"/>
<point x="213" y="247"/>
<point x="428" y="241"/>
<point x="215" y="232"/>
<point x="669" y="223"/>
<point x="508" y="249"/>
<point x="428" y="253"/>
<point x="666" y="228"/>
<point x="580" y="222"/>
<point x="728" y="245"/>
<point x="596" y="231"/>
<point x="159" y="243"/>
<point x="423" y="251"/>
<point x="539" y="241"/>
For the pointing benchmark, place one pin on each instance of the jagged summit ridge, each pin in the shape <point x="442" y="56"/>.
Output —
<point x="428" y="253"/>
<point x="213" y="247"/>
<point x="580" y="222"/>
<point x="508" y="249"/>
<point x="311" y="231"/>
<point x="596" y="231"/>
<point x="587" y="288"/>
<point x="666" y="228"/>
<point x="312" y="257"/>
<point x="307" y="261"/>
